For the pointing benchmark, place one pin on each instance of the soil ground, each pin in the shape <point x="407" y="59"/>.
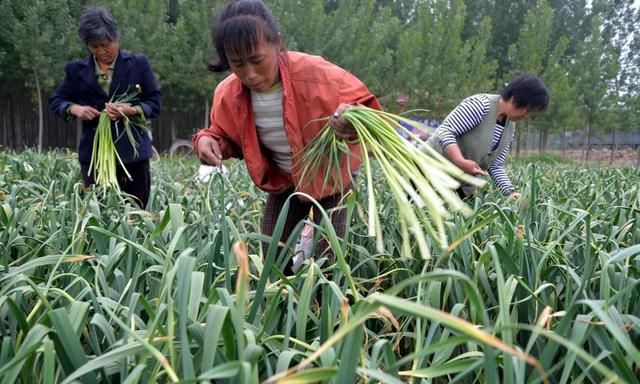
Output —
<point x="621" y="157"/>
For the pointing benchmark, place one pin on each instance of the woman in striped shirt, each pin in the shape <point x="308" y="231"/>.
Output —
<point x="477" y="135"/>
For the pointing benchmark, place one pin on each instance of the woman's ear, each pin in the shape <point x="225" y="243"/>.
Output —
<point x="279" y="43"/>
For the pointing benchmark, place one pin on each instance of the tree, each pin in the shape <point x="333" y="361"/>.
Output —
<point x="404" y="10"/>
<point x="572" y="19"/>
<point x="507" y="18"/>
<point x="332" y="30"/>
<point x="140" y="31"/>
<point x="39" y="46"/>
<point x="632" y="69"/>
<point x="562" y="111"/>
<point x="477" y="12"/>
<point x="434" y="53"/>
<point x="184" y="77"/>
<point x="173" y="11"/>
<point x="435" y="64"/>
<point x="596" y="66"/>
<point x="369" y="58"/>
<point x="528" y="54"/>
<point x="478" y="72"/>
<point x="618" y="32"/>
<point x="304" y="31"/>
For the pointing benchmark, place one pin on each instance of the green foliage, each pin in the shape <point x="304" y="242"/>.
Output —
<point x="183" y="54"/>
<point x="438" y="67"/>
<point x="96" y="290"/>
<point x="530" y="52"/>
<point x="332" y="30"/>
<point x="508" y="18"/>
<point x="596" y="65"/>
<point x="435" y="51"/>
<point x="480" y="68"/>
<point x="300" y="31"/>
<point x="38" y="36"/>
<point x="562" y="112"/>
<point x="140" y="31"/>
<point x="544" y="158"/>
<point x="41" y="36"/>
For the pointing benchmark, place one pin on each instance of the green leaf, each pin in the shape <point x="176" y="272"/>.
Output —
<point x="313" y="375"/>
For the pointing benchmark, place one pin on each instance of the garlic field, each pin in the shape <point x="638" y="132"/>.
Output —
<point x="94" y="290"/>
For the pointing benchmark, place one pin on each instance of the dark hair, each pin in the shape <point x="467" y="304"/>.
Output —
<point x="96" y="23"/>
<point x="527" y="91"/>
<point x="239" y="27"/>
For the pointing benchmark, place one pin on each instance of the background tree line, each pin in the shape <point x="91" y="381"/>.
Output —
<point x="434" y="51"/>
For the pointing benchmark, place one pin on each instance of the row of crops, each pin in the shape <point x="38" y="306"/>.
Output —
<point x="92" y="289"/>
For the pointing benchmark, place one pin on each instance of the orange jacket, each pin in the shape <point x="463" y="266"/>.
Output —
<point x="312" y="89"/>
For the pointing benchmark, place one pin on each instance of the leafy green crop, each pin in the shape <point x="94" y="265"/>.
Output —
<point x="92" y="289"/>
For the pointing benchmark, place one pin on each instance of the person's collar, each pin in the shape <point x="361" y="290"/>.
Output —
<point x="274" y="88"/>
<point x="110" y="68"/>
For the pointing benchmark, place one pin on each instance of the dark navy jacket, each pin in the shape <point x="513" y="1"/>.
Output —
<point x="80" y="86"/>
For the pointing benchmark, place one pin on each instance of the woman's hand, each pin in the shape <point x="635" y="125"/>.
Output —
<point x="84" y="112"/>
<point x="514" y="195"/>
<point x="118" y="110"/>
<point x="209" y="151"/>
<point x="343" y="129"/>
<point x="470" y="167"/>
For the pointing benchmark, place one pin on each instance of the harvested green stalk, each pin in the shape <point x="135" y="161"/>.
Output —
<point x="104" y="153"/>
<point x="417" y="178"/>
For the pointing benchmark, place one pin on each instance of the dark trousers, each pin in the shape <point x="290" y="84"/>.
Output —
<point x="138" y="186"/>
<point x="299" y="210"/>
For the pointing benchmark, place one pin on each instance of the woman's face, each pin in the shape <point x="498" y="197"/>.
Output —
<point x="259" y="69"/>
<point x="105" y="51"/>
<point x="514" y="113"/>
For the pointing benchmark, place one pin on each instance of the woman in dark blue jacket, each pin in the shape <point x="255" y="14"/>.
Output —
<point x="91" y="84"/>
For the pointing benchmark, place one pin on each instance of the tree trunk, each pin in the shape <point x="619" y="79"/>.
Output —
<point x="586" y="142"/>
<point x="539" y="134"/>
<point x="19" y="112"/>
<point x="174" y="11"/>
<point x="542" y="137"/>
<point x="40" y="111"/>
<point x="563" y="140"/>
<point x="590" y="127"/>
<point x="5" y="123"/>
<point x="518" y="139"/>
<point x="613" y="146"/>
<point x="173" y="129"/>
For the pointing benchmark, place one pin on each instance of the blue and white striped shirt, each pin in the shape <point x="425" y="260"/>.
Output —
<point x="468" y="115"/>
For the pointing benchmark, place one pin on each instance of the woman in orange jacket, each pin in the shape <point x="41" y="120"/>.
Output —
<point x="266" y="111"/>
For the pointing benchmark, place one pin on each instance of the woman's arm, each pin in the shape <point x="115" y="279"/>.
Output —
<point x="499" y="174"/>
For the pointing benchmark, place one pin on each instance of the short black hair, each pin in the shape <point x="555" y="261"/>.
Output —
<point x="239" y="27"/>
<point x="96" y="23"/>
<point x="527" y="91"/>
